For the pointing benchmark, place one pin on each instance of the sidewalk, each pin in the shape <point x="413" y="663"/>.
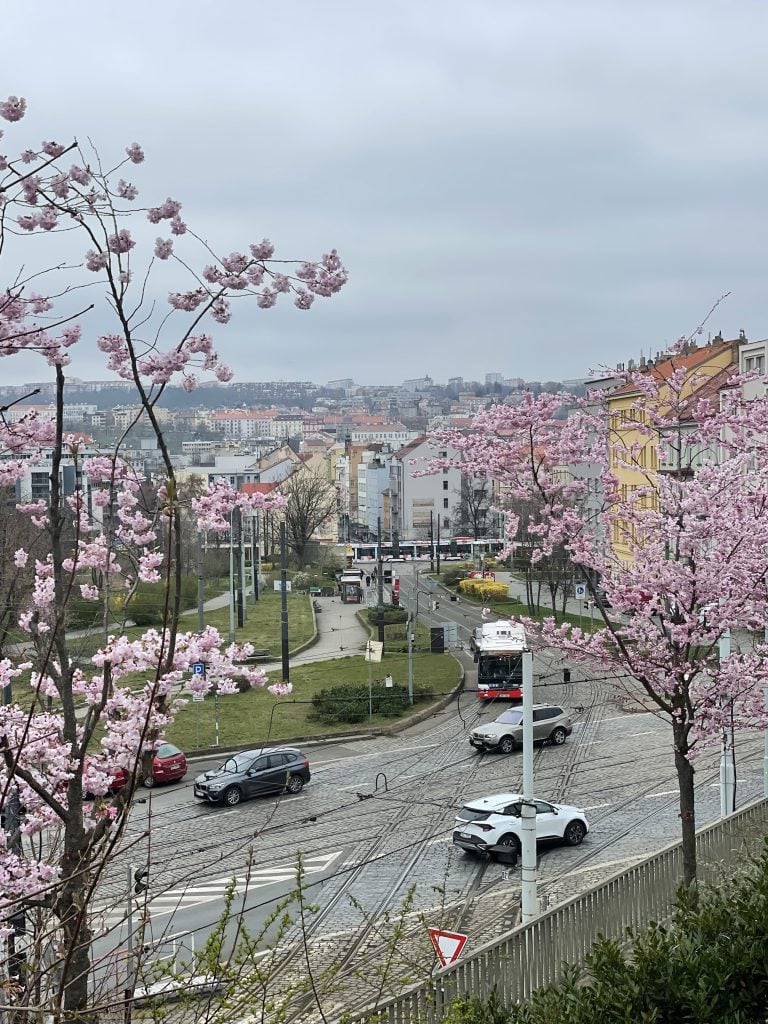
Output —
<point x="340" y="634"/>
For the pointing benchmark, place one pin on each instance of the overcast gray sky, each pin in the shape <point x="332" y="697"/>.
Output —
<point x="524" y="186"/>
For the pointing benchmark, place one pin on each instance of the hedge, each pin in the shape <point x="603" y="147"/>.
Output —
<point x="147" y="605"/>
<point x="391" y="615"/>
<point x="484" y="590"/>
<point x="352" y="702"/>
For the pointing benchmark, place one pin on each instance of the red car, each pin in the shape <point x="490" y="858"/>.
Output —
<point x="169" y="765"/>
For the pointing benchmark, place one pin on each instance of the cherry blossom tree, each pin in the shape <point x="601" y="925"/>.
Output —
<point x="681" y="552"/>
<point x="70" y="725"/>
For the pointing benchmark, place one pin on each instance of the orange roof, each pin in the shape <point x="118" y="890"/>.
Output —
<point x="663" y="371"/>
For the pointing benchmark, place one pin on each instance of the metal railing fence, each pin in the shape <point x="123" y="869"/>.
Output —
<point x="534" y="955"/>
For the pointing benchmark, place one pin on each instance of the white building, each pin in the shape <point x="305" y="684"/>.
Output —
<point x="421" y="503"/>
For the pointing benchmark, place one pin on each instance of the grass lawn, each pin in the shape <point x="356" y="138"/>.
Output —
<point x="258" y="717"/>
<point x="262" y="623"/>
<point x="262" y="629"/>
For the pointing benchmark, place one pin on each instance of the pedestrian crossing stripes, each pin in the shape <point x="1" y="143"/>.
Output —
<point x="104" y="918"/>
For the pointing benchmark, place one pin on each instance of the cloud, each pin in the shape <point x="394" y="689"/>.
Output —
<point x="530" y="188"/>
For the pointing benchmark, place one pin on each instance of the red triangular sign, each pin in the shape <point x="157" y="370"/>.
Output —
<point x="447" y="944"/>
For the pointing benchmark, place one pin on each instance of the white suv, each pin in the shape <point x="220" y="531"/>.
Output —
<point x="496" y="821"/>
<point x="506" y="732"/>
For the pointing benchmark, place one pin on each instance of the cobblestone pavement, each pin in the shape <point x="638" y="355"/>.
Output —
<point x="389" y="804"/>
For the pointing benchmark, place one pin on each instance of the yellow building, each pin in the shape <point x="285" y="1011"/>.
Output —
<point x="634" y="456"/>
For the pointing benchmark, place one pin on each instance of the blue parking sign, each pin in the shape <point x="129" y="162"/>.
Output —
<point x="198" y="668"/>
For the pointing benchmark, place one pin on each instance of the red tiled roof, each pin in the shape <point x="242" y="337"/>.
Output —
<point x="257" y="488"/>
<point x="663" y="371"/>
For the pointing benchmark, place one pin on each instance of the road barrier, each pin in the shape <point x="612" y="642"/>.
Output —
<point x="532" y="956"/>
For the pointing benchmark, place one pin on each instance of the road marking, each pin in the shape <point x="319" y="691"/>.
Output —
<point x="184" y="897"/>
<point x="595" y="807"/>
<point x="666" y="792"/>
<point x="629" y="735"/>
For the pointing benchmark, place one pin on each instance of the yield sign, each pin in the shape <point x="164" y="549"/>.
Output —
<point x="447" y="944"/>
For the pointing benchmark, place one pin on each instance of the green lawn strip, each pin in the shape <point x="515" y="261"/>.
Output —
<point x="262" y="629"/>
<point x="257" y="717"/>
<point x="262" y="623"/>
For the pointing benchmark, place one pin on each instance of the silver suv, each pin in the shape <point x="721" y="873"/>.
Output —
<point x="549" y="723"/>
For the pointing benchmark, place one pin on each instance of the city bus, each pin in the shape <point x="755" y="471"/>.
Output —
<point x="498" y="652"/>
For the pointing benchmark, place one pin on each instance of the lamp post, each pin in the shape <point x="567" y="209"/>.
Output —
<point x="727" y="774"/>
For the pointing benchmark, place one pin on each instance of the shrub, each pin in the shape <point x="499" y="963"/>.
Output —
<point x="82" y="614"/>
<point x="392" y="615"/>
<point x="484" y="590"/>
<point x="146" y="606"/>
<point x="451" y="577"/>
<point x="350" y="702"/>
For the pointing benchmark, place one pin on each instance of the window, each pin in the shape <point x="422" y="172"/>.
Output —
<point x="542" y="714"/>
<point x="445" y="485"/>
<point x="543" y="808"/>
<point x="755" y="364"/>
<point x="277" y="760"/>
<point x="445" y="472"/>
<point x="445" y="503"/>
<point x="446" y="523"/>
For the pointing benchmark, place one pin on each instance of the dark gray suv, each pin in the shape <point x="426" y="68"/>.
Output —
<point x="254" y="773"/>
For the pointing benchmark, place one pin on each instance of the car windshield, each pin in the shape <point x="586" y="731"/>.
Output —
<point x="239" y="763"/>
<point x="167" y="750"/>
<point x="510" y="718"/>
<point x="468" y="814"/>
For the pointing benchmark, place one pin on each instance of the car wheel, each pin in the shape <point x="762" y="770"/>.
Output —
<point x="510" y="840"/>
<point x="506" y="744"/>
<point x="559" y="736"/>
<point x="295" y="784"/>
<point x="574" y="833"/>
<point x="148" y="781"/>
<point x="232" y="796"/>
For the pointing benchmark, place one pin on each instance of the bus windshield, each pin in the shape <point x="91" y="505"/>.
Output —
<point x="500" y="668"/>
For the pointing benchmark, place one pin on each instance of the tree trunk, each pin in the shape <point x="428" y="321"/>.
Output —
<point x="685" y="774"/>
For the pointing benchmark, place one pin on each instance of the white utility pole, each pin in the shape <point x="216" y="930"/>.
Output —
<point x="529" y="899"/>
<point x="727" y="779"/>
<point x="410" y="626"/>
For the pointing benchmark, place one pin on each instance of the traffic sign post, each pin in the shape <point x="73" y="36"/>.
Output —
<point x="198" y="669"/>
<point x="448" y="945"/>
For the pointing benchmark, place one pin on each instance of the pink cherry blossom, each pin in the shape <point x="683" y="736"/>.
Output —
<point x="135" y="153"/>
<point x="13" y="109"/>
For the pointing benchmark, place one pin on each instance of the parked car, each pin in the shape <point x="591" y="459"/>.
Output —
<point x="118" y="776"/>
<point x="497" y="820"/>
<point x="474" y="636"/>
<point x="550" y="723"/>
<point x="254" y="773"/>
<point x="169" y="765"/>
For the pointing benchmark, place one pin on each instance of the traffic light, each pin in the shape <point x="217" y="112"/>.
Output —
<point x="140" y="880"/>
